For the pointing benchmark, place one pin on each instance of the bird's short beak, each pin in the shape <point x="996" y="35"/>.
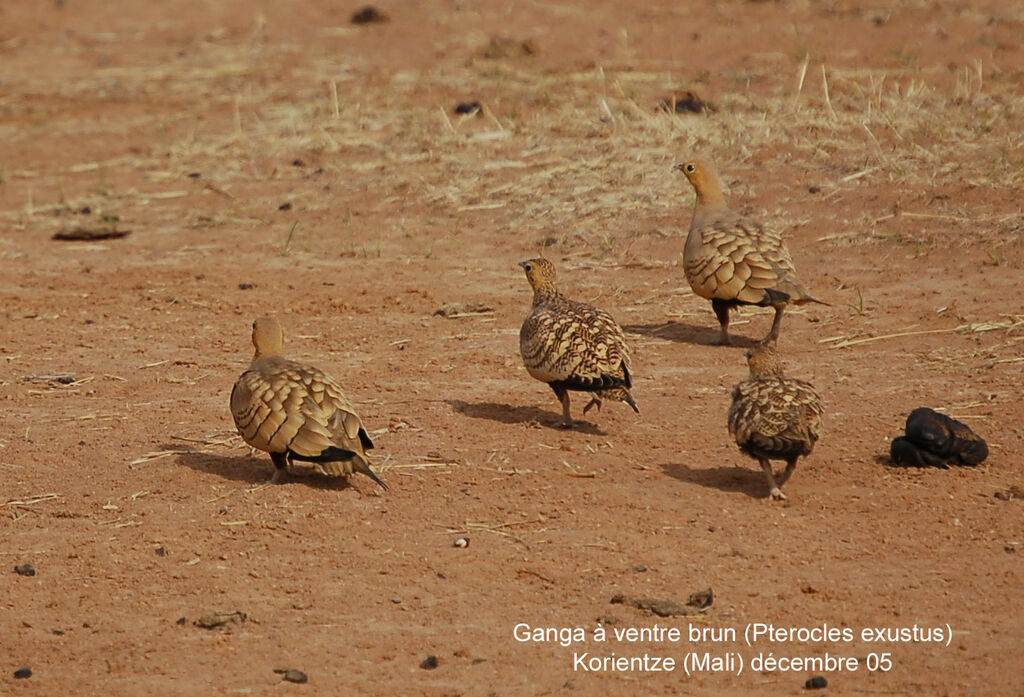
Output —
<point x="522" y="264"/>
<point x="678" y="165"/>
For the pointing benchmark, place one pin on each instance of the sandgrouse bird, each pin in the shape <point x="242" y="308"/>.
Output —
<point x="732" y="260"/>
<point x="297" y="412"/>
<point x="571" y="345"/>
<point x="773" y="417"/>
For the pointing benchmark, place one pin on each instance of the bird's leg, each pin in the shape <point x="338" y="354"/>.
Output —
<point x="721" y="309"/>
<point x="776" y="490"/>
<point x="594" y="402"/>
<point x="773" y="333"/>
<point x="790" y="466"/>
<point x="563" y="397"/>
<point x="280" y="466"/>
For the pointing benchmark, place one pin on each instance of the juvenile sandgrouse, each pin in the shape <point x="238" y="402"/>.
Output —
<point x="773" y="417"/>
<point x="571" y="345"/>
<point x="732" y="260"/>
<point x="297" y="412"/>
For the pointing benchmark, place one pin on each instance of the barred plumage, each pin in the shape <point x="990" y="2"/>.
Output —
<point x="571" y="345"/>
<point x="297" y="412"/>
<point x="773" y="417"/>
<point x="732" y="260"/>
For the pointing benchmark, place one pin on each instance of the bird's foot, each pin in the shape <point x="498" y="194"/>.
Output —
<point x="593" y="402"/>
<point x="566" y="423"/>
<point x="276" y="477"/>
<point x="777" y="494"/>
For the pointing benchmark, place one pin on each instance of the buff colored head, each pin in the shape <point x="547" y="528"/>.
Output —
<point x="540" y="273"/>
<point x="267" y="337"/>
<point x="702" y="175"/>
<point x="763" y="360"/>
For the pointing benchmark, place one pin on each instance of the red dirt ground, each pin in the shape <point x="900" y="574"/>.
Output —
<point x="136" y="504"/>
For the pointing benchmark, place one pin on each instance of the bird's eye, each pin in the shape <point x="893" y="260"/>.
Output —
<point x="690" y="168"/>
<point x="529" y="268"/>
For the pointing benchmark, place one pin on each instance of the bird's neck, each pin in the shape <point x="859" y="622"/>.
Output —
<point x="543" y="295"/>
<point x="711" y="199"/>
<point x="266" y="353"/>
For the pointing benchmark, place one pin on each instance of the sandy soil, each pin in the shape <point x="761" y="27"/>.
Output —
<point x="212" y="132"/>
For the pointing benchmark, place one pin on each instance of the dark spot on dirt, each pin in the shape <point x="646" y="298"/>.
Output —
<point x="246" y="286"/>
<point x="23" y="672"/>
<point x="25" y="570"/>
<point x="369" y="15"/>
<point x="194" y="175"/>
<point x="218" y="620"/>
<point x="161" y="552"/>
<point x="1014" y="492"/>
<point x="80" y="234"/>
<point x="292" y="675"/>
<point x="469" y="108"/>
<point x="686" y="102"/>
<point x="298" y="163"/>
<point x="286" y="206"/>
<point x="701" y="599"/>
<point x="454" y="310"/>
<point x="816" y="683"/>
<point x="814" y="189"/>
<point x="429" y="663"/>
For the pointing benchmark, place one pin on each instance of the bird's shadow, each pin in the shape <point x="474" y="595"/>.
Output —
<point x="251" y="469"/>
<point x="741" y="480"/>
<point x="508" y="414"/>
<point x="688" y="334"/>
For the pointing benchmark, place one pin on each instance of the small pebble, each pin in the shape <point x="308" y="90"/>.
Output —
<point x="462" y="542"/>
<point x="397" y="600"/>
<point x="25" y="570"/>
<point x="429" y="663"/>
<point x="161" y="552"/>
<point x="469" y="108"/>
<point x="246" y="286"/>
<point x="816" y="683"/>
<point x="286" y="206"/>
<point x="640" y="568"/>
<point x="23" y="672"/>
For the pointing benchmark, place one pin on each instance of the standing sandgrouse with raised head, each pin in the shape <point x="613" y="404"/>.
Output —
<point x="295" y="411"/>
<point x="732" y="260"/>
<point x="571" y="345"/>
<point x="773" y="417"/>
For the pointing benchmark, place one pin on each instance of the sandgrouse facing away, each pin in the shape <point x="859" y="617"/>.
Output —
<point x="732" y="260"/>
<point x="773" y="417"/>
<point x="571" y="345"/>
<point x="297" y="412"/>
<point x="936" y="440"/>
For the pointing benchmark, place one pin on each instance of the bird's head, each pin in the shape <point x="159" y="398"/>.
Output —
<point x="763" y="360"/>
<point x="540" y="273"/>
<point x="704" y="179"/>
<point x="267" y="337"/>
